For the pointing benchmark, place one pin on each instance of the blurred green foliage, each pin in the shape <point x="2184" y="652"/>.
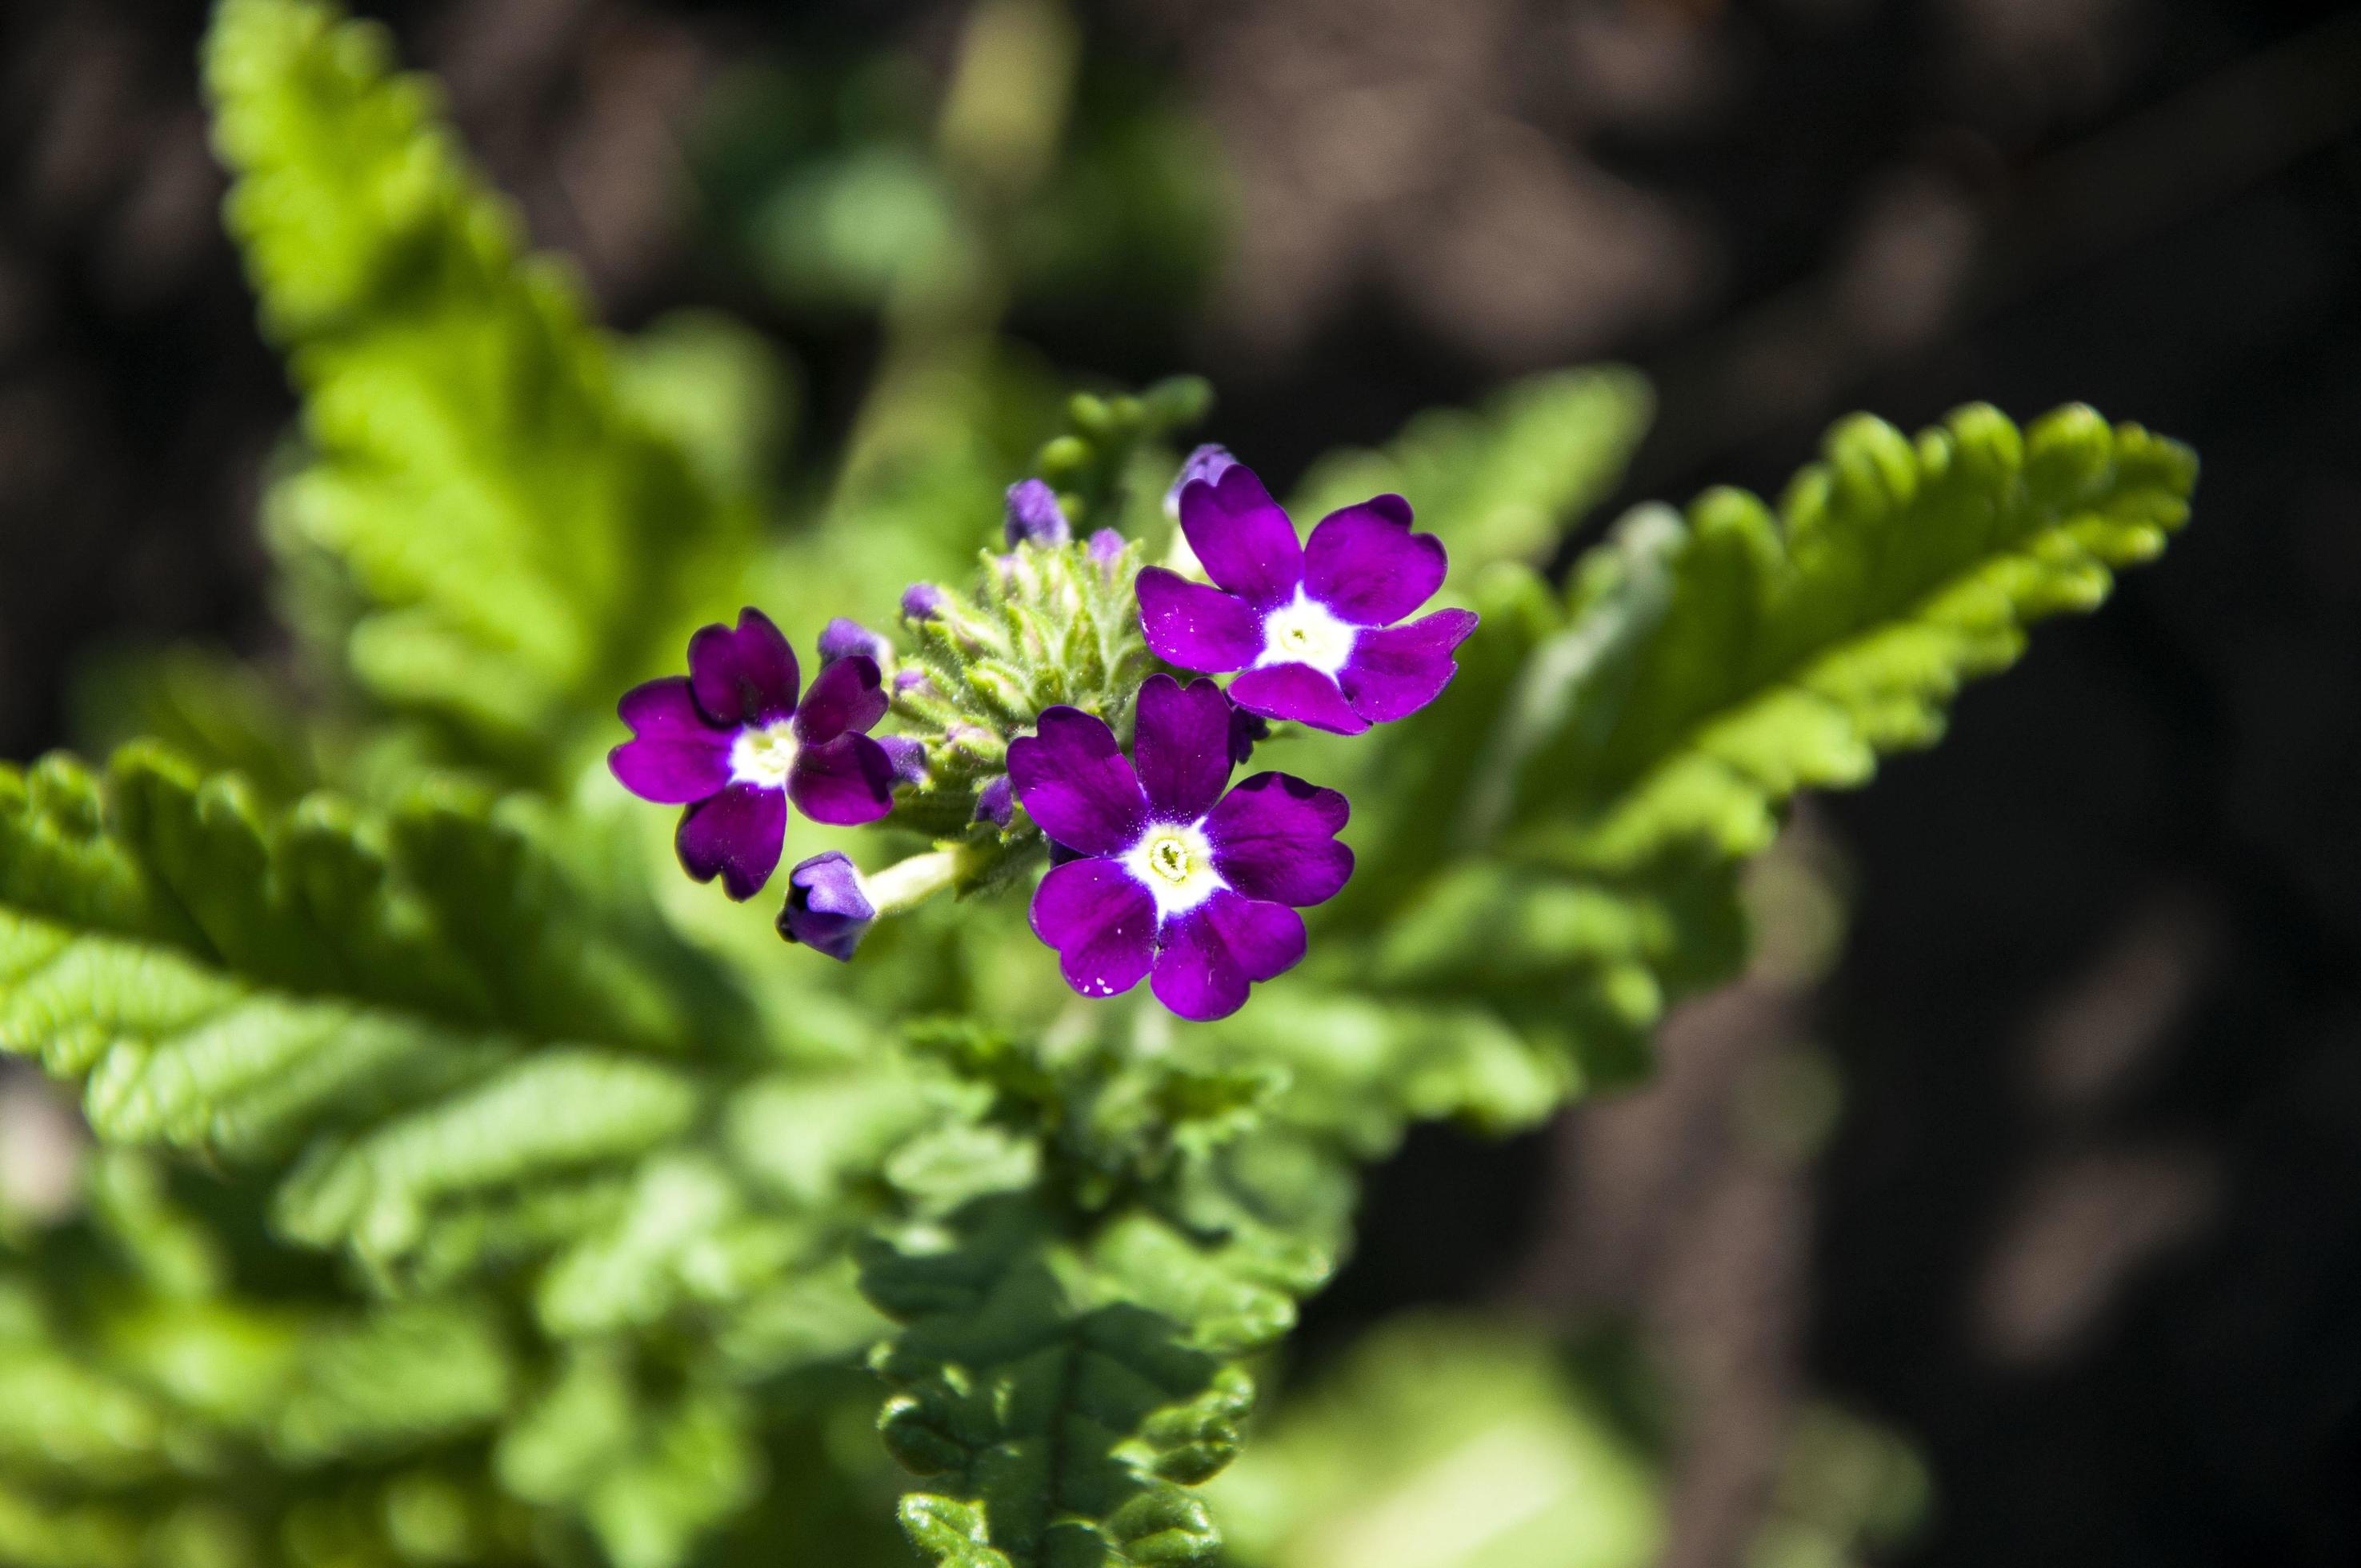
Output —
<point x="469" y="1187"/>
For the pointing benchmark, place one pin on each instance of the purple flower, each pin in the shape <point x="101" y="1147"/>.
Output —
<point x="1162" y="873"/>
<point x="841" y="639"/>
<point x="1035" y="517"/>
<point x="731" y="742"/>
<point x="1208" y="462"/>
<point x="1311" y="626"/>
<point x="828" y="909"/>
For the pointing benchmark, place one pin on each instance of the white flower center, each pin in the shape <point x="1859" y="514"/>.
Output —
<point x="1174" y="861"/>
<point x="1303" y="632"/>
<point x="764" y="755"/>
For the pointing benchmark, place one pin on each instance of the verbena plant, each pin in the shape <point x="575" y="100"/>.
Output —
<point x="472" y="1187"/>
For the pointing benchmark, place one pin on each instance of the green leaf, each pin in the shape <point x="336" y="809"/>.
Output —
<point x="1555" y="841"/>
<point x="1506" y="482"/>
<point x="1054" y="1388"/>
<point x="228" y="979"/>
<point x="1762" y="653"/>
<point x="488" y="529"/>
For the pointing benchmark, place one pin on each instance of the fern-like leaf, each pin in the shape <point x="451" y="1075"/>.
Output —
<point x="1558" y="840"/>
<point x="1506" y="481"/>
<point x="487" y="531"/>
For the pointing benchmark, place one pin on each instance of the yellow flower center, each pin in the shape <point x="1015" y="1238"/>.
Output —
<point x="765" y="755"/>
<point x="1303" y="632"/>
<point x="1174" y="861"/>
<point x="1169" y="858"/>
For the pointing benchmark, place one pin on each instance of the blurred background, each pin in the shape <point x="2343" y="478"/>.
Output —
<point x="2036" y="1204"/>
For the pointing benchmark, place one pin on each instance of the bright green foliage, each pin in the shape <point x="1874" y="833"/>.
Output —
<point x="1505" y="483"/>
<point x="229" y="978"/>
<point x="1604" y="764"/>
<point x="1069" y="1359"/>
<point x="487" y="529"/>
<point x="460" y="1061"/>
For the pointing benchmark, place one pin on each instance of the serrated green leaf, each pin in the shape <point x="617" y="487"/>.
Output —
<point x="1555" y="842"/>
<point x="1053" y="1388"/>
<point x="1507" y="481"/>
<point x="501" y="540"/>
<point x="1790" y="650"/>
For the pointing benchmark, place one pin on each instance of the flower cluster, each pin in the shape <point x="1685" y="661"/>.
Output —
<point x="1010" y="700"/>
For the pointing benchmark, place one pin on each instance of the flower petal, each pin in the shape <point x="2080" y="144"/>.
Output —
<point x="1245" y="541"/>
<point x="848" y="694"/>
<point x="1274" y="837"/>
<point x="1183" y="748"/>
<point x="674" y="756"/>
<point x="1071" y="777"/>
<point x="671" y="772"/>
<point x="665" y="710"/>
<point x="1212" y="953"/>
<point x="1398" y="670"/>
<point x="1297" y="692"/>
<point x="1102" y="923"/>
<point x="1195" y="626"/>
<point x="1367" y="567"/>
<point x="746" y="676"/>
<point x="736" y="835"/>
<point x="844" y="783"/>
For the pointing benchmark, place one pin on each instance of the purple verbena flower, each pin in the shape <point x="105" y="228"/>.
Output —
<point x="1208" y="462"/>
<point x="1311" y="625"/>
<point x="828" y="909"/>
<point x="1163" y="875"/>
<point x="731" y="742"/>
<point x="1034" y="516"/>
<point x="841" y="637"/>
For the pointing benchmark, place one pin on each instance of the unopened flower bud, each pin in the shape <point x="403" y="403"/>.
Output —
<point x="909" y="757"/>
<point x="996" y="802"/>
<point x="842" y="638"/>
<point x="827" y="908"/>
<point x="1034" y="516"/>
<point x="1107" y="550"/>
<point x="1208" y="462"/>
<point x="921" y="601"/>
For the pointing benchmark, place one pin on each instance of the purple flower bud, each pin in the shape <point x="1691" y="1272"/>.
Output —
<point x="921" y="601"/>
<point x="1246" y="730"/>
<point x="828" y="910"/>
<point x="1208" y="462"/>
<point x="1035" y="517"/>
<point x="908" y="679"/>
<point x="996" y="802"/>
<point x="1106" y="549"/>
<point x="841" y="639"/>
<point x="909" y="757"/>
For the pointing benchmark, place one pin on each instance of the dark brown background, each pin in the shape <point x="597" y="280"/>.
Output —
<point x="2090" y="1227"/>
